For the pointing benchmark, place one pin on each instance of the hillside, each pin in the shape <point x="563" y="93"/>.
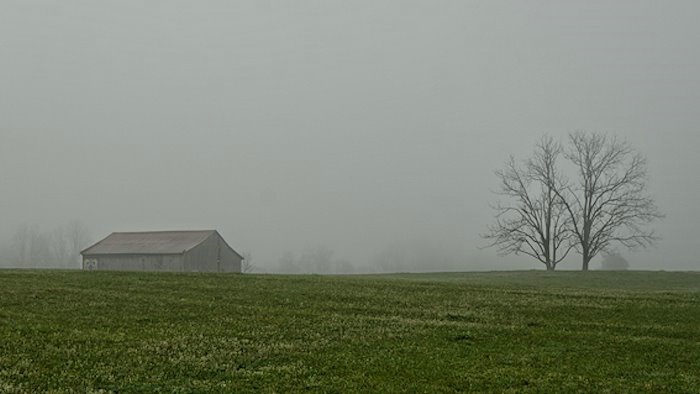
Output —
<point x="139" y="332"/>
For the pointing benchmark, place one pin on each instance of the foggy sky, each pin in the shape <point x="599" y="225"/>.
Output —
<point x="353" y="125"/>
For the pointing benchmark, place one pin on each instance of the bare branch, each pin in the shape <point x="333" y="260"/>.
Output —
<point x="609" y="203"/>
<point x="534" y="221"/>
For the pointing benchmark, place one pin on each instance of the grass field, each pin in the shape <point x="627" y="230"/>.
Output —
<point x="505" y="332"/>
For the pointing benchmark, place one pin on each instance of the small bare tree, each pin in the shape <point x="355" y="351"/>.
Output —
<point x="608" y="202"/>
<point x="534" y="222"/>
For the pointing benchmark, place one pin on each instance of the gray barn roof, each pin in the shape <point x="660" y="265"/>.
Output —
<point x="155" y="242"/>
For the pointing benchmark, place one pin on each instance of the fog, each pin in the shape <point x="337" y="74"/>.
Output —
<point x="364" y="129"/>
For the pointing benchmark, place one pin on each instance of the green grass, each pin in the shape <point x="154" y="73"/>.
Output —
<point x="503" y="332"/>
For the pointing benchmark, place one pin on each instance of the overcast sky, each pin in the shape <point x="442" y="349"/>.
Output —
<point x="352" y="124"/>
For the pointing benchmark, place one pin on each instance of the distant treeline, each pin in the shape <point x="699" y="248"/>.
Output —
<point x="33" y="247"/>
<point x="416" y="256"/>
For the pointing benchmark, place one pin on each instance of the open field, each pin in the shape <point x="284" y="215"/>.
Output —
<point x="66" y="331"/>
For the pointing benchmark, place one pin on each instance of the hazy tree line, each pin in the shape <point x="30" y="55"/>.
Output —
<point x="586" y="196"/>
<point x="33" y="247"/>
<point x="318" y="260"/>
<point x="613" y="261"/>
<point x="410" y="256"/>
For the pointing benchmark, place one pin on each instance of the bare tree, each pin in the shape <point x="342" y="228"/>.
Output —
<point x="39" y="248"/>
<point x="608" y="202"/>
<point x="59" y="246"/>
<point x="534" y="221"/>
<point x="79" y="238"/>
<point x="22" y="245"/>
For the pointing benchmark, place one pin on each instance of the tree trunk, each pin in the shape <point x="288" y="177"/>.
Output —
<point x="586" y="261"/>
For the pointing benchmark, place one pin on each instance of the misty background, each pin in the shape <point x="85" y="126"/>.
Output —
<point x="369" y="130"/>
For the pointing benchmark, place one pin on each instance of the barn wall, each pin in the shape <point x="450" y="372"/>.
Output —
<point x="212" y="255"/>
<point x="158" y="263"/>
<point x="231" y="260"/>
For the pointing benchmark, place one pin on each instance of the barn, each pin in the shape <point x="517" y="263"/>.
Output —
<point x="171" y="251"/>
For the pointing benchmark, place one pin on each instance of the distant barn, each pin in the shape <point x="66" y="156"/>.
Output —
<point x="172" y="251"/>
